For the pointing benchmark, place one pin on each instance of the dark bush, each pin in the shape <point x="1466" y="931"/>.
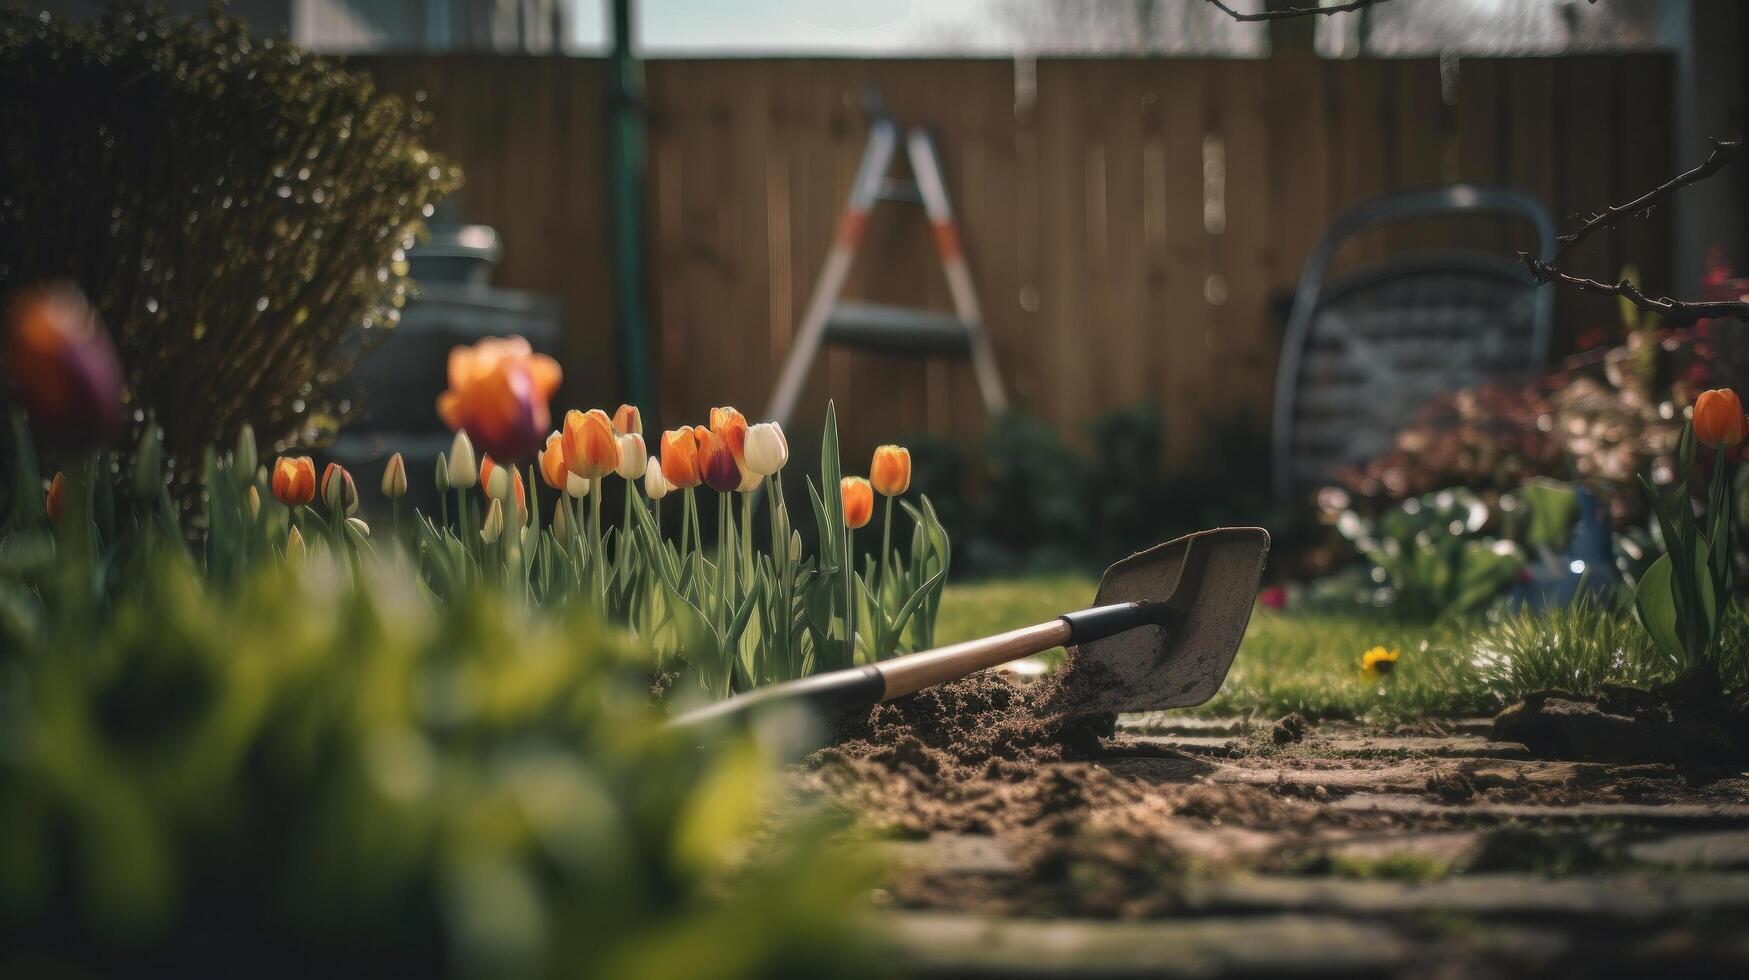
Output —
<point x="236" y="209"/>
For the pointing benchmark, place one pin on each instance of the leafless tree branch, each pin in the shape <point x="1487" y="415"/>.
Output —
<point x="1673" y="311"/>
<point x="1723" y="152"/>
<point x="1312" y="11"/>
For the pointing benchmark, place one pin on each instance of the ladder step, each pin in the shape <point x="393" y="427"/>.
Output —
<point x="901" y="191"/>
<point x="898" y="329"/>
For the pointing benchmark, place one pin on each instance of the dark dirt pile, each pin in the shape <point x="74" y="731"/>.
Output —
<point x="987" y="756"/>
<point x="972" y="756"/>
<point x="1694" y="726"/>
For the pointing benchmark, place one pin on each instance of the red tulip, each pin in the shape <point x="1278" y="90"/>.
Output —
<point x="63" y="368"/>
<point x="498" y="394"/>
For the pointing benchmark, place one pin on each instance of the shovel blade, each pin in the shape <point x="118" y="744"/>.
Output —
<point x="1211" y="578"/>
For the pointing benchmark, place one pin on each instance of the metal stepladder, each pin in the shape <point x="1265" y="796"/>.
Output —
<point x="892" y="329"/>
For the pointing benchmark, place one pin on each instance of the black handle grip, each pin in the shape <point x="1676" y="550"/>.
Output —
<point x="1100" y="622"/>
<point x="827" y="695"/>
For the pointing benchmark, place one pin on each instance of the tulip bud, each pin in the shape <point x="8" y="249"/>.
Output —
<point x="627" y="420"/>
<point x="561" y="519"/>
<point x="858" y="500"/>
<point x="254" y="501"/>
<point x="631" y="456"/>
<point x="294" y="480"/>
<point x="442" y="479"/>
<point x="247" y="456"/>
<point x="1718" y="418"/>
<point x="655" y="486"/>
<point x="294" y="546"/>
<point x="891" y="470"/>
<point x="795" y="546"/>
<point x="497" y="480"/>
<point x="395" y="478"/>
<point x="767" y="449"/>
<point x="461" y="462"/>
<point x="149" y="463"/>
<point x="339" y="493"/>
<point x="358" y="526"/>
<point x="576" y="486"/>
<point x="494" y="525"/>
<point x="55" y="503"/>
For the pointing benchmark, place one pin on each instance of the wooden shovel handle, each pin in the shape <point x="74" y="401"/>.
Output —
<point x="914" y="672"/>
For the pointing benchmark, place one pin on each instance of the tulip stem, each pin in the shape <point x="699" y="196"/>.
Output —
<point x="886" y="549"/>
<point x="849" y="597"/>
<point x="595" y="535"/>
<point x="722" y="564"/>
<point x="747" y="537"/>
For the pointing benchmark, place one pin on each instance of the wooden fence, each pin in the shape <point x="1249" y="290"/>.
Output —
<point x="1133" y="225"/>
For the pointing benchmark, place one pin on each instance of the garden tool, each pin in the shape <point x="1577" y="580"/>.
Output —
<point x="1161" y="634"/>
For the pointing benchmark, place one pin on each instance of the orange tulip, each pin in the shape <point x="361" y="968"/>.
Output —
<point x="591" y="450"/>
<point x="62" y="367"/>
<point x="338" y="490"/>
<point x="498" y="394"/>
<point x="858" y="500"/>
<point x="716" y="462"/>
<point x="552" y="462"/>
<point x="55" y="504"/>
<point x="628" y="420"/>
<point x="891" y="470"/>
<point x="680" y="458"/>
<point x="294" y="480"/>
<point x="1718" y="418"/>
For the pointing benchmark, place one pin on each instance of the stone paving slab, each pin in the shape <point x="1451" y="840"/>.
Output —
<point x="1361" y="746"/>
<point x="1637" y="897"/>
<point x="965" y="945"/>
<point x="1718" y="849"/>
<point x="1649" y="813"/>
<point x="1411" y="777"/>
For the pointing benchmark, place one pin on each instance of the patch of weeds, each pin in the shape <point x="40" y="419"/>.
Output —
<point x="1522" y="847"/>
<point x="1408" y="866"/>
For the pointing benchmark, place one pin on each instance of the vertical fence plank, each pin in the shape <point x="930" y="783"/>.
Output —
<point x="1082" y="214"/>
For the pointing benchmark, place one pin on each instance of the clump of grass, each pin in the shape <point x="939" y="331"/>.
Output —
<point x="1578" y="648"/>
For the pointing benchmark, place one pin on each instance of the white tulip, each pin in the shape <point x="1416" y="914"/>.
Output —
<point x="498" y="484"/>
<point x="767" y="450"/>
<point x="656" y="486"/>
<point x="463" y="468"/>
<point x="576" y="486"/>
<point x="632" y="456"/>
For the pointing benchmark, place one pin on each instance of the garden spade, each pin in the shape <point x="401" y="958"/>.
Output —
<point x="1161" y="634"/>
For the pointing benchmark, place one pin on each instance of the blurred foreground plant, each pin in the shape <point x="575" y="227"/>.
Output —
<point x="224" y="783"/>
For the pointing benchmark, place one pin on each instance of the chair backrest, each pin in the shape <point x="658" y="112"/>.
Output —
<point x="1364" y="350"/>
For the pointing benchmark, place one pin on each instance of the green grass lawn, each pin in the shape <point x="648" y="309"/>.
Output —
<point x="1311" y="662"/>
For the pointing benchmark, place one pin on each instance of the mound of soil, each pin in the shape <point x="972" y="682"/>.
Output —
<point x="1693" y="726"/>
<point x="973" y="756"/>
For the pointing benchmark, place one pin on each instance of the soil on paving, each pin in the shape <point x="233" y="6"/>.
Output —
<point x="1017" y="809"/>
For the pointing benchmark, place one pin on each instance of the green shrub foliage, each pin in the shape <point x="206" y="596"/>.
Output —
<point x="236" y="209"/>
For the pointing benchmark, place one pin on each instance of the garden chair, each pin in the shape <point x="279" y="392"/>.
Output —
<point x="1365" y="349"/>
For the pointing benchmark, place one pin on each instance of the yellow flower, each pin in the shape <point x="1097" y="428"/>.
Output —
<point x="1378" y="661"/>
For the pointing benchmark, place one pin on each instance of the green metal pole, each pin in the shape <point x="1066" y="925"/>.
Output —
<point x="626" y="166"/>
